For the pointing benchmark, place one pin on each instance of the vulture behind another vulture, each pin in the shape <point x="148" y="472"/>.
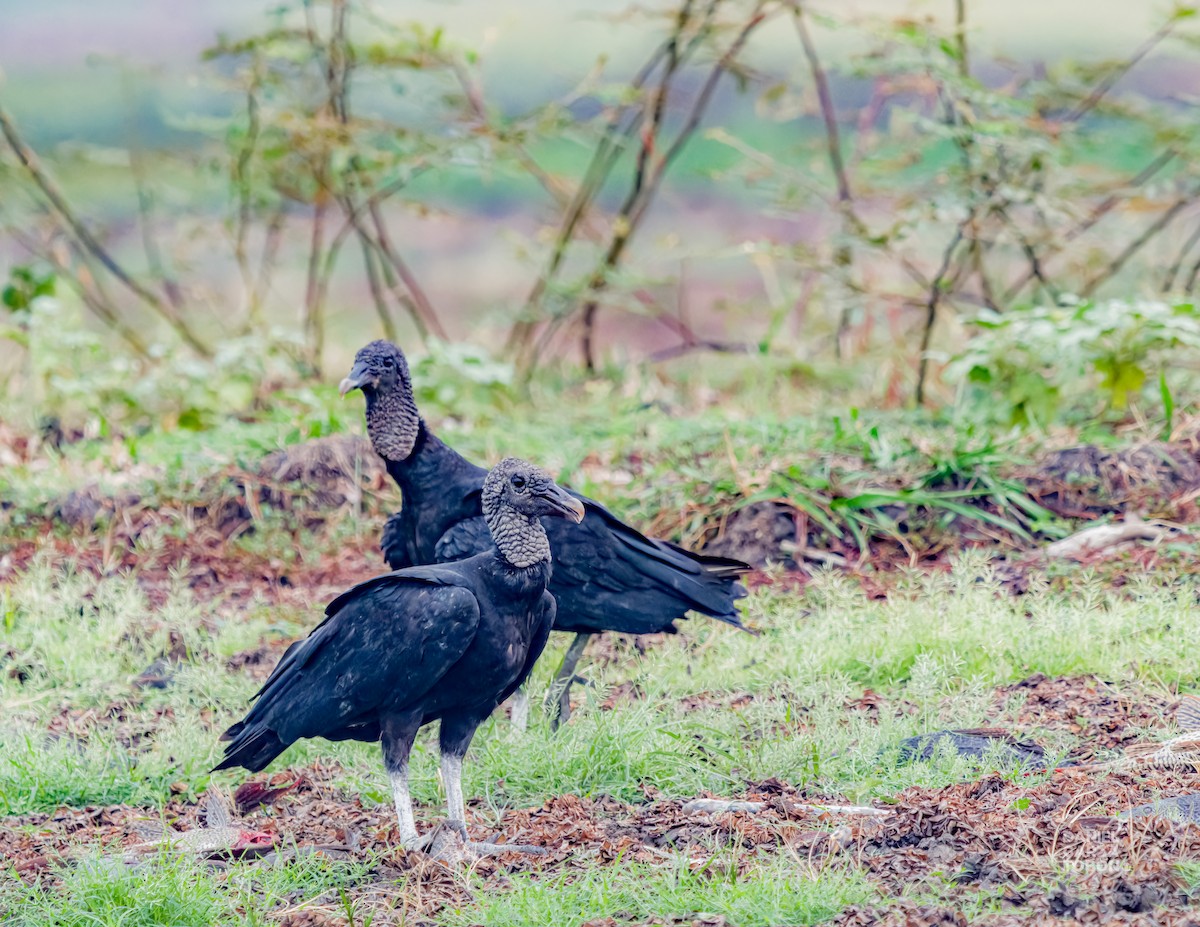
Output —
<point x="448" y="641"/>
<point x="607" y="576"/>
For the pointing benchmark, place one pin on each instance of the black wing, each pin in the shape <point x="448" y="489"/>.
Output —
<point x="610" y="577"/>
<point x="386" y="642"/>
<point x="466" y="539"/>
<point x="395" y="551"/>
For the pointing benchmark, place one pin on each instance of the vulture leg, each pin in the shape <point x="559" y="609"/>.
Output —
<point x="520" y="710"/>
<point x="560" y="689"/>
<point x="456" y="808"/>
<point x="455" y="737"/>
<point x="398" y="735"/>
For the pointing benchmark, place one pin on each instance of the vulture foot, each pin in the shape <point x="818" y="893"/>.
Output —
<point x="448" y="842"/>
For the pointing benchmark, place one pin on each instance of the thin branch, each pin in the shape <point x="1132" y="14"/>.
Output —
<point x="556" y="187"/>
<point x="272" y="238"/>
<point x="1191" y="278"/>
<point x="1099" y="212"/>
<point x="1109" y="81"/>
<point x="420" y="301"/>
<point x="608" y="150"/>
<point x="1176" y="266"/>
<point x="87" y="241"/>
<point x="145" y="203"/>
<point x="692" y="347"/>
<point x="244" y="189"/>
<point x="960" y="37"/>
<point x="314" y="322"/>
<point x="97" y="303"/>
<point x="1114" y="266"/>
<point x="1031" y="255"/>
<point x="931" y="304"/>
<point x="825" y="98"/>
<point x="377" y="296"/>
<point x="649" y="139"/>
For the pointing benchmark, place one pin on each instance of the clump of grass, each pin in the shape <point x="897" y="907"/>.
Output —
<point x="102" y="892"/>
<point x="174" y="889"/>
<point x="939" y="642"/>
<point x="783" y="890"/>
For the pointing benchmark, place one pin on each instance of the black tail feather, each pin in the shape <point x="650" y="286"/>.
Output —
<point x="251" y="748"/>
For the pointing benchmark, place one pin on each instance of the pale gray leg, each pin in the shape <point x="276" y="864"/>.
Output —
<point x="456" y="808"/>
<point x="404" y="807"/>
<point x="396" y="737"/>
<point x="560" y="689"/>
<point x="520" y="710"/>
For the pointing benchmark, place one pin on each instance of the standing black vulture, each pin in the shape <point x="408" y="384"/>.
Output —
<point x="448" y="641"/>
<point x="607" y="576"/>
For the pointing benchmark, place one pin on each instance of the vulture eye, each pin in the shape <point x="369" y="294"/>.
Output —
<point x="518" y="482"/>
<point x="388" y="362"/>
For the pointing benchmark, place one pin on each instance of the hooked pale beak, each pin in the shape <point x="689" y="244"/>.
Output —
<point x="360" y="376"/>
<point x="561" y="502"/>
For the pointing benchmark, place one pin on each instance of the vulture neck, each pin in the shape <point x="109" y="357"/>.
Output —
<point x="431" y="466"/>
<point x="521" y="539"/>
<point x="393" y="423"/>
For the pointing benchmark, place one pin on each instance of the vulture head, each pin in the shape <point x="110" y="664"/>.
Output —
<point x="515" y="495"/>
<point x="381" y="372"/>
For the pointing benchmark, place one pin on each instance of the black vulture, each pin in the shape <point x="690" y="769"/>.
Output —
<point x="445" y="641"/>
<point x="607" y="576"/>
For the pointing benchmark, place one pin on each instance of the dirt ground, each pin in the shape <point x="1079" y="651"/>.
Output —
<point x="1061" y="831"/>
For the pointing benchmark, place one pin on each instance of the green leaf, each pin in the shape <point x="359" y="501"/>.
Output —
<point x="1120" y="378"/>
<point x="1168" y="401"/>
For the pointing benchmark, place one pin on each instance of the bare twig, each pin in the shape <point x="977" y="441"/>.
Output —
<point x="612" y="143"/>
<point x="1114" y="266"/>
<point x="960" y="37"/>
<point x="272" y="238"/>
<point x="1088" y="103"/>
<point x="656" y="105"/>
<point x="931" y="303"/>
<point x="555" y="186"/>
<point x="1103" y="208"/>
<point x="646" y="186"/>
<point x="833" y="142"/>
<point x="377" y="296"/>
<point x="87" y="241"/>
<point x="701" y="344"/>
<point x="97" y="302"/>
<point x="1191" y="277"/>
<point x="244" y="189"/>
<point x="1177" y="264"/>
<point x="145" y="199"/>
<point x="843" y="258"/>
<point x="420" y="301"/>
<point x="314" y="322"/>
<point x="1031" y="255"/>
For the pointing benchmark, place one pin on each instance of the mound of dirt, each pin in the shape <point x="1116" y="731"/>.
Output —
<point x="756" y="534"/>
<point x="311" y="481"/>
<point x="322" y="474"/>
<point x="1086" y="481"/>
<point x="1101" y="716"/>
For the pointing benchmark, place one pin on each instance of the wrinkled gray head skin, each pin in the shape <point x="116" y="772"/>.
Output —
<point x="381" y="372"/>
<point x="515" y="495"/>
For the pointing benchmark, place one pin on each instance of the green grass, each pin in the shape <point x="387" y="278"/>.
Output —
<point x="784" y="890"/>
<point x="172" y="889"/>
<point x="75" y="731"/>
<point x="675" y="453"/>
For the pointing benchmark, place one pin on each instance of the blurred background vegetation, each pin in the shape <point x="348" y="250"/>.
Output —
<point x="984" y="207"/>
